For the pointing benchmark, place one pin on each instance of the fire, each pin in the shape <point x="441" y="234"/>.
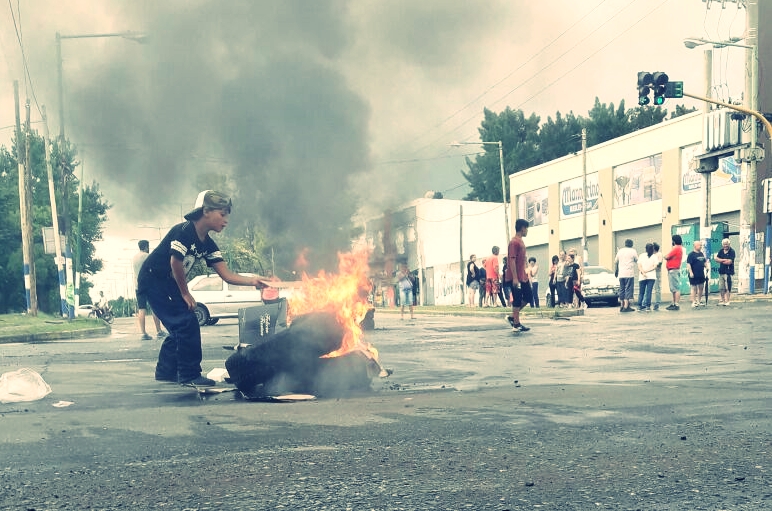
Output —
<point x="343" y="294"/>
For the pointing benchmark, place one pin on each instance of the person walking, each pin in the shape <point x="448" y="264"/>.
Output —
<point x="142" y="307"/>
<point x="624" y="270"/>
<point x="516" y="265"/>
<point x="574" y="282"/>
<point x="647" y="265"/>
<point x="725" y="258"/>
<point x="697" y="264"/>
<point x="405" y="282"/>
<point x="533" y="278"/>
<point x="472" y="282"/>
<point x="673" y="261"/>
<point x="163" y="279"/>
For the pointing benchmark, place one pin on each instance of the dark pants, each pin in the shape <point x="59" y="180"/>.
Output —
<point x="180" y="355"/>
<point x="534" y="294"/>
<point x="553" y="292"/>
<point x="507" y="289"/>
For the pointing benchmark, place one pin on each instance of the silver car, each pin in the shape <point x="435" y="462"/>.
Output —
<point x="600" y="285"/>
<point x="217" y="299"/>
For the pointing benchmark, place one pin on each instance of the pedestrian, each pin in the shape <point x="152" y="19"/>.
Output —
<point x="673" y="261"/>
<point x="568" y="293"/>
<point x="647" y="265"/>
<point x="657" y="298"/>
<point x="574" y="281"/>
<point x="163" y="279"/>
<point x="725" y="258"/>
<point x="481" y="277"/>
<point x="560" y="280"/>
<point x="492" y="278"/>
<point x="552" y="300"/>
<point x="624" y="270"/>
<point x="405" y="281"/>
<point x="142" y="307"/>
<point x="472" y="282"/>
<point x="697" y="264"/>
<point x="521" y="288"/>
<point x="507" y="284"/>
<point x="533" y="278"/>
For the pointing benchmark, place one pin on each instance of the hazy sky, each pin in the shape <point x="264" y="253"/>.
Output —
<point x="298" y="101"/>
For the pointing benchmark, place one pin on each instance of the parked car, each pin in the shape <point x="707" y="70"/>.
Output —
<point x="600" y="285"/>
<point x="217" y="299"/>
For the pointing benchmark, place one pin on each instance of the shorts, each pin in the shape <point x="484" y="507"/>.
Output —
<point x="522" y="295"/>
<point x="724" y="283"/>
<point x="674" y="280"/>
<point x="142" y="303"/>
<point x="491" y="287"/>
<point x="406" y="296"/>
<point x="626" y="288"/>
<point x="473" y="285"/>
<point x="697" y="281"/>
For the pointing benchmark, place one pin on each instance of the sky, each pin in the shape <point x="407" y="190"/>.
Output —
<point x="314" y="111"/>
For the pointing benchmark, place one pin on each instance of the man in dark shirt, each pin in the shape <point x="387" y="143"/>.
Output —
<point x="725" y="259"/>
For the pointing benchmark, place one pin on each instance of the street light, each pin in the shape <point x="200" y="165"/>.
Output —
<point x="132" y="36"/>
<point x="503" y="180"/>
<point x="746" y="275"/>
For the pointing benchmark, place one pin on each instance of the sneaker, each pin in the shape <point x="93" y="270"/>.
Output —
<point x="672" y="307"/>
<point x="724" y="303"/>
<point x="162" y="334"/>
<point x="200" y="381"/>
<point x="146" y="337"/>
<point x="520" y="328"/>
<point x="695" y="305"/>
<point x="677" y="307"/>
<point x="584" y="305"/>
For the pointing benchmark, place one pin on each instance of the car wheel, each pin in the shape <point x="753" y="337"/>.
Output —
<point x="212" y="321"/>
<point x="202" y="314"/>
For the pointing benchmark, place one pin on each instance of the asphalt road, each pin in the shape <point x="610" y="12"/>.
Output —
<point x="607" y="411"/>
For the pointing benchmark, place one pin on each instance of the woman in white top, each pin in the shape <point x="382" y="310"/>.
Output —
<point x="647" y="274"/>
<point x="533" y="277"/>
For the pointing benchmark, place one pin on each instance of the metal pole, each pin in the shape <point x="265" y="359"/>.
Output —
<point x="585" y="250"/>
<point x="79" y="235"/>
<point x="707" y="177"/>
<point x="504" y="190"/>
<point x="461" y="249"/>
<point x="54" y="216"/>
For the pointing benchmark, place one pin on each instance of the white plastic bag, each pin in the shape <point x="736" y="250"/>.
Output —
<point x="22" y="385"/>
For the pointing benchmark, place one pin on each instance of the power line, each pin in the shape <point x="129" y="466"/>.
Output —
<point x="17" y="28"/>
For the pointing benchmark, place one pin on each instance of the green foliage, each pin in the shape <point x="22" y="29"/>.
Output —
<point x="93" y="216"/>
<point x="526" y="143"/>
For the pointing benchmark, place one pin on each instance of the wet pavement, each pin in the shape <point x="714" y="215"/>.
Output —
<point x="660" y="410"/>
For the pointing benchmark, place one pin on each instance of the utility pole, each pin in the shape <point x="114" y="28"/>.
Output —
<point x="24" y="208"/>
<point x="54" y="217"/>
<point x="585" y="251"/>
<point x="747" y="267"/>
<point x="707" y="177"/>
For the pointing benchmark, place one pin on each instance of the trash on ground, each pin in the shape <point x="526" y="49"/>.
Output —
<point x="63" y="404"/>
<point x="217" y="374"/>
<point x="22" y="385"/>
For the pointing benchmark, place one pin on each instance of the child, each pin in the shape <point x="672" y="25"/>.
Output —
<point x="163" y="279"/>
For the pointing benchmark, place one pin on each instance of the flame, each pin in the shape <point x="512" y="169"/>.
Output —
<point x="343" y="294"/>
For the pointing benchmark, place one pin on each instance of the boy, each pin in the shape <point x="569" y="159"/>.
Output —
<point x="163" y="279"/>
<point x="521" y="288"/>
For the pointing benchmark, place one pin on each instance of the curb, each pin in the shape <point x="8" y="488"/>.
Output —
<point x="57" y="336"/>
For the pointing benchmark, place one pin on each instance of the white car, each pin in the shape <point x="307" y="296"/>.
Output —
<point x="600" y="285"/>
<point x="217" y="299"/>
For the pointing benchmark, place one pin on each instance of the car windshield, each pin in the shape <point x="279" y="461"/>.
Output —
<point x="595" y="270"/>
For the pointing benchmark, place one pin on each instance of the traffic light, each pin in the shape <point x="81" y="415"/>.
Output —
<point x="674" y="89"/>
<point x="644" y="80"/>
<point x="659" y="84"/>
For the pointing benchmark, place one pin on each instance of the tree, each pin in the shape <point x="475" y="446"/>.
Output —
<point x="645" y="116"/>
<point x="560" y="137"/>
<point x="605" y="122"/>
<point x="94" y="214"/>
<point x="682" y="110"/>
<point x="520" y="139"/>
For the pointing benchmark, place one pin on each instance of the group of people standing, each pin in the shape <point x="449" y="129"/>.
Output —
<point x="649" y="263"/>
<point x="566" y="280"/>
<point x="488" y="282"/>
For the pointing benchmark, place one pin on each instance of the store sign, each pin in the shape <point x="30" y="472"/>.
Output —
<point x="572" y="198"/>
<point x="728" y="171"/>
